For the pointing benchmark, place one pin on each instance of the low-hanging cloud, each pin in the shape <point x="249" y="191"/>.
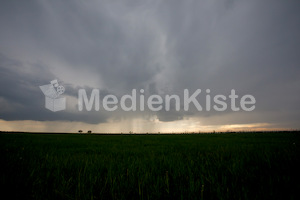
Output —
<point x="163" y="47"/>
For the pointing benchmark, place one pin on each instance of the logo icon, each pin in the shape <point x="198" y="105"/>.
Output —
<point x="52" y="93"/>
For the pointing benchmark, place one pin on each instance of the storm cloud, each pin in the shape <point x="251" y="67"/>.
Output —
<point x="162" y="47"/>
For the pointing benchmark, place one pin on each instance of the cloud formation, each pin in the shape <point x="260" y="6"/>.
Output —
<point x="163" y="47"/>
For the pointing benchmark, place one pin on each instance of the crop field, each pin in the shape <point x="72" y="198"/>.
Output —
<point x="196" y="166"/>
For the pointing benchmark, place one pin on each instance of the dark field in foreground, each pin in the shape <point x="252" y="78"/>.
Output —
<point x="207" y="166"/>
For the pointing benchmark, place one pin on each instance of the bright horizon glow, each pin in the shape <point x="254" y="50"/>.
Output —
<point x="134" y="126"/>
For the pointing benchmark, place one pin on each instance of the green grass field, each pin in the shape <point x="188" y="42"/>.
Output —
<point x="202" y="166"/>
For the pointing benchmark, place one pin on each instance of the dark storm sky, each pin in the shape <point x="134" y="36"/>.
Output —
<point x="160" y="46"/>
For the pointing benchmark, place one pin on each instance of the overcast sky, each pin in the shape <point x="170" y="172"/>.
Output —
<point x="162" y="47"/>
